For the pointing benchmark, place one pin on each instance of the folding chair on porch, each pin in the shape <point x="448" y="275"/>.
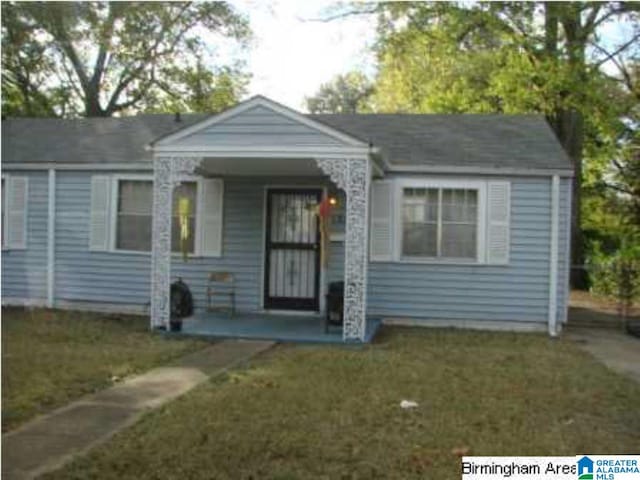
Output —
<point x="221" y="284"/>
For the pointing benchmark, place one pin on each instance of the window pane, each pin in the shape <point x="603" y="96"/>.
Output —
<point x="420" y="239"/>
<point x="459" y="223"/>
<point x="133" y="225"/>
<point x="184" y="190"/>
<point x="420" y="222"/>
<point x="175" y="235"/>
<point x="459" y="240"/>
<point x="133" y="232"/>
<point x="135" y="197"/>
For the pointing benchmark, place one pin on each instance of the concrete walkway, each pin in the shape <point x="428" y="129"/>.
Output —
<point x="617" y="350"/>
<point x="50" y="441"/>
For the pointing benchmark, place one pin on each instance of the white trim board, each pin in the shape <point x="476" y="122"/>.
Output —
<point x="494" y="325"/>
<point x="103" y="307"/>
<point x="256" y="101"/>
<point x="23" y="302"/>
<point x="259" y="151"/>
<point x="51" y="235"/>
<point x="472" y="170"/>
<point x="135" y="166"/>
<point x="553" y="256"/>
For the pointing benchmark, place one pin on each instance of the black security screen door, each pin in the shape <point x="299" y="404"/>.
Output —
<point x="292" y="255"/>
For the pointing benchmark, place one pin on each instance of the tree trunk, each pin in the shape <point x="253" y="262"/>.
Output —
<point x="92" y="106"/>
<point x="551" y="30"/>
<point x="569" y="128"/>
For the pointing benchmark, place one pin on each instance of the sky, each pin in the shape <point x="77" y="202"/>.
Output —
<point x="291" y="55"/>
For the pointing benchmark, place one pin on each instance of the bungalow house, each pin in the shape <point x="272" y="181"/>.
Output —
<point x="448" y="220"/>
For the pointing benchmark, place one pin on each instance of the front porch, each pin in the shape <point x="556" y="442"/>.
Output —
<point x="296" y="328"/>
<point x="285" y="262"/>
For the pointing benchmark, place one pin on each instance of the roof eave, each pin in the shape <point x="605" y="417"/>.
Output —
<point x="473" y="170"/>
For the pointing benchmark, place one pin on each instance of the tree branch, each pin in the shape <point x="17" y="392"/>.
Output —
<point x="149" y="56"/>
<point x="371" y="9"/>
<point x="616" y="52"/>
<point x="591" y="18"/>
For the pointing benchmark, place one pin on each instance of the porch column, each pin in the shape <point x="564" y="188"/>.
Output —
<point x="353" y="176"/>
<point x="166" y="175"/>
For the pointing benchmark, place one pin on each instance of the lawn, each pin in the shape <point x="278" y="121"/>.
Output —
<point x="333" y="412"/>
<point x="50" y="357"/>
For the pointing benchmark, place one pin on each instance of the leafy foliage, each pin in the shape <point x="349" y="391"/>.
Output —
<point x="198" y="89"/>
<point x="347" y="93"/>
<point x="104" y="58"/>
<point x="617" y="274"/>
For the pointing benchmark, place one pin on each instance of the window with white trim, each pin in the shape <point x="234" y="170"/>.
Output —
<point x="134" y="213"/>
<point x="440" y="222"/>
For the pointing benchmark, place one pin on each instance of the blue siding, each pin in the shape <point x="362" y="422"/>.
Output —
<point x="24" y="272"/>
<point x="124" y="278"/>
<point x="259" y="126"/>
<point x="81" y="275"/>
<point x="516" y="292"/>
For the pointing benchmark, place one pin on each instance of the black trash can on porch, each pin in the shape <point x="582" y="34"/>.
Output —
<point x="335" y="305"/>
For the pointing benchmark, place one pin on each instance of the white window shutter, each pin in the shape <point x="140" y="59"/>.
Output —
<point x="16" y="221"/>
<point x="381" y="228"/>
<point x="210" y="216"/>
<point x="100" y="208"/>
<point x="498" y="218"/>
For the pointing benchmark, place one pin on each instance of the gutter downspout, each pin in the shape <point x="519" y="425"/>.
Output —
<point x="553" y="257"/>
<point x="51" y="236"/>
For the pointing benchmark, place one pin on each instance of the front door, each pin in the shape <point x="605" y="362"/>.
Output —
<point x="292" y="254"/>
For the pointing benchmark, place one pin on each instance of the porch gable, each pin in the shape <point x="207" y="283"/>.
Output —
<point x="258" y="122"/>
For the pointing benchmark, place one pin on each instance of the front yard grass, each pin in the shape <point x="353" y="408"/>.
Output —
<point x="333" y="412"/>
<point x="50" y="357"/>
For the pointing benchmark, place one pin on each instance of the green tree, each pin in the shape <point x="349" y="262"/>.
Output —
<point x="514" y="57"/>
<point x="347" y="93"/>
<point x="199" y="89"/>
<point x="104" y="58"/>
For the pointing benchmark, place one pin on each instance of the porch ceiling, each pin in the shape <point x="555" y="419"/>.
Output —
<point x="260" y="166"/>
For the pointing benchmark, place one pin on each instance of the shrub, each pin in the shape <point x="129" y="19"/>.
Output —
<point x="617" y="274"/>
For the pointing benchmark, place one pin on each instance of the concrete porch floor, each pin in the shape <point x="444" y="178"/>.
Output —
<point x="269" y="326"/>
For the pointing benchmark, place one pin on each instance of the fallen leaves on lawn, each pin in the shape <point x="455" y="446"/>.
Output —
<point x="460" y="451"/>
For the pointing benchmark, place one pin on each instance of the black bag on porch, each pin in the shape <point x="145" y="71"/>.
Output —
<point x="335" y="304"/>
<point x="181" y="304"/>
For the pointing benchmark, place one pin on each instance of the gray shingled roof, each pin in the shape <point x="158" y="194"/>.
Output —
<point x="85" y="140"/>
<point x="522" y="141"/>
<point x="465" y="140"/>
